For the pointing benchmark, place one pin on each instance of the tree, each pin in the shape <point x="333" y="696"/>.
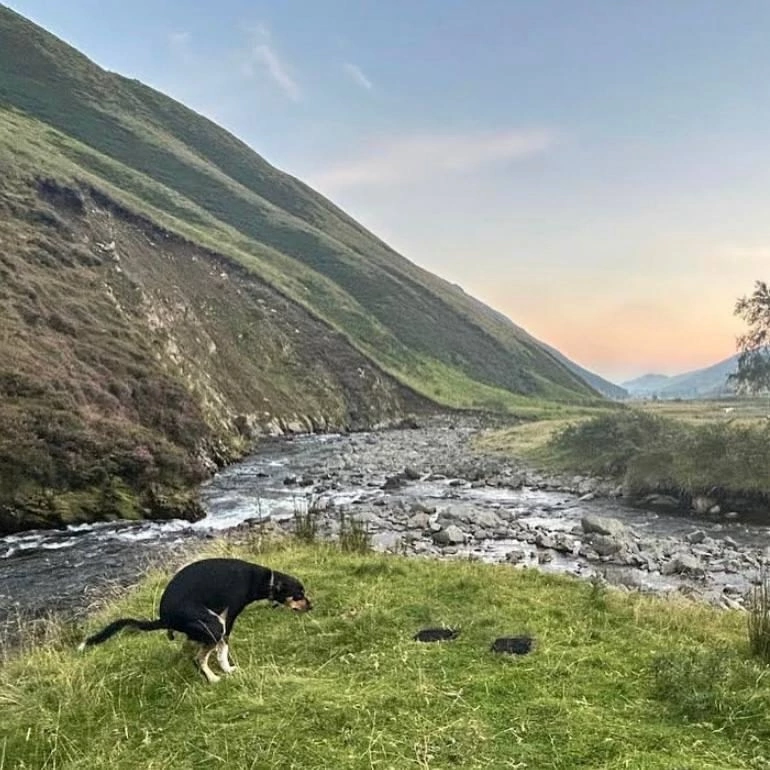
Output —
<point x="753" y="373"/>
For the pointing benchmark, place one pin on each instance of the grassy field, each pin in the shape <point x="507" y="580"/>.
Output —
<point x="682" y="448"/>
<point x="751" y="411"/>
<point x="615" y="681"/>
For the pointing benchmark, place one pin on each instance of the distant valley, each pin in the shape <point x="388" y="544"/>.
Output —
<point x="709" y="382"/>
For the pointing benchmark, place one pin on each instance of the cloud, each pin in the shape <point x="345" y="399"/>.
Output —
<point x="357" y="76"/>
<point x="179" y="43"/>
<point x="421" y="157"/>
<point x="261" y="58"/>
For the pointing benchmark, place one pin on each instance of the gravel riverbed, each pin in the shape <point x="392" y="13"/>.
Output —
<point x="422" y="491"/>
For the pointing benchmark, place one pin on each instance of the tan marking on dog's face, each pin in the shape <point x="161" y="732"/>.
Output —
<point x="298" y="605"/>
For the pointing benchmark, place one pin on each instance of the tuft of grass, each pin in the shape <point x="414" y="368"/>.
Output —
<point x="720" y="689"/>
<point x="345" y="686"/>
<point x="354" y="535"/>
<point x="758" y="618"/>
<point x="305" y="520"/>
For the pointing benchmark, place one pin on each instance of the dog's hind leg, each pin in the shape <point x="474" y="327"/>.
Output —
<point x="206" y="628"/>
<point x="202" y="660"/>
<point x="223" y="657"/>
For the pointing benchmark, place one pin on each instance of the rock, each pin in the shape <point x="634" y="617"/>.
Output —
<point x="605" y="545"/>
<point x="486" y="519"/>
<point x="683" y="564"/>
<point x="698" y="536"/>
<point x="452" y="535"/>
<point x="419" y="521"/>
<point x="701" y="504"/>
<point x="601" y="525"/>
<point x="386" y="541"/>
<point x="515" y="556"/>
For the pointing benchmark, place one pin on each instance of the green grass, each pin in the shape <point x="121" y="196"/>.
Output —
<point x="615" y="681"/>
<point x="685" y="449"/>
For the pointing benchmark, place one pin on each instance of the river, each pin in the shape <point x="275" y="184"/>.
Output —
<point x="422" y="491"/>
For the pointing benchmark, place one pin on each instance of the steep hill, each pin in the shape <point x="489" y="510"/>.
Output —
<point x="709" y="382"/>
<point x="167" y="295"/>
<point x="605" y="387"/>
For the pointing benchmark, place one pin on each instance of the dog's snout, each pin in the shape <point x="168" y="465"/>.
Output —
<point x="300" y="605"/>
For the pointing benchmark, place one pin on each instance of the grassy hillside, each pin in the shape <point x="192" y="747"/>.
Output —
<point x="167" y="296"/>
<point x="615" y="680"/>
<point x="182" y="165"/>
<point x="132" y="360"/>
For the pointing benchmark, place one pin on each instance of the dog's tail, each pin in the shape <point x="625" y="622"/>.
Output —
<point x="117" y="625"/>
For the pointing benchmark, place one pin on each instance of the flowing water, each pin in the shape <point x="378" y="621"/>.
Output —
<point x="43" y="571"/>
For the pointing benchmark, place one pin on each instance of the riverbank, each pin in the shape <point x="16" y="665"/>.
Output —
<point x="428" y="491"/>
<point x="608" y="684"/>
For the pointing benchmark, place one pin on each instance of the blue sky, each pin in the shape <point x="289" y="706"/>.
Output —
<point x="596" y="170"/>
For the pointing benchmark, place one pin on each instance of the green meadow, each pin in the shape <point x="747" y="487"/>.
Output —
<point x="615" y="680"/>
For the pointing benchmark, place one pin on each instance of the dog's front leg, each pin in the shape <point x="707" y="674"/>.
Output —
<point x="223" y="657"/>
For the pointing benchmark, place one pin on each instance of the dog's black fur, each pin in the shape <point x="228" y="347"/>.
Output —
<point x="204" y="599"/>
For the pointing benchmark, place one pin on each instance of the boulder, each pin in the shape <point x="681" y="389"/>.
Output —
<point x="452" y="535"/>
<point x="702" y="504"/>
<point x="386" y="541"/>
<point x="605" y="545"/>
<point x="419" y="521"/>
<point x="683" y="564"/>
<point x="515" y="556"/>
<point x="602" y="525"/>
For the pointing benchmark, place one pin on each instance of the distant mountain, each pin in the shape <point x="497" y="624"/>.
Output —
<point x="647" y="384"/>
<point x="709" y="382"/>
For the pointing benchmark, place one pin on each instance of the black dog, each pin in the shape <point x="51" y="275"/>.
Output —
<point x="203" y="601"/>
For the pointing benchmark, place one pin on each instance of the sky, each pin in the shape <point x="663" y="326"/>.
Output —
<point x="598" y="171"/>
